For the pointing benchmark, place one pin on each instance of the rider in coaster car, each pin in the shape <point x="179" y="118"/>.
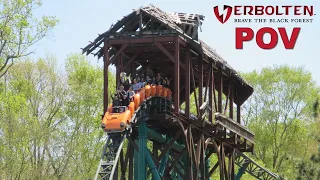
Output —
<point x="158" y="79"/>
<point x="115" y="100"/>
<point x="148" y="80"/>
<point x="130" y="94"/>
<point x="123" y="96"/>
<point x="135" y="86"/>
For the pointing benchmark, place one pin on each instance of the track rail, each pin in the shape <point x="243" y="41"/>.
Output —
<point x="246" y="164"/>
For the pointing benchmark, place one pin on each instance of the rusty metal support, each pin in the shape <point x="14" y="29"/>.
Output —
<point x="105" y="73"/>
<point x="187" y="84"/>
<point x="176" y="75"/>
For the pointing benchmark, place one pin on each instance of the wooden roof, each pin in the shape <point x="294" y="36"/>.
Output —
<point x="186" y="25"/>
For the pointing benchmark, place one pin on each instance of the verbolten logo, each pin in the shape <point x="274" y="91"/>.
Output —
<point x="246" y="34"/>
<point x="220" y="17"/>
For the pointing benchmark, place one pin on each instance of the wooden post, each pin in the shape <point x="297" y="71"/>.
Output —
<point x="187" y="84"/>
<point x="105" y="77"/>
<point x="211" y="89"/>
<point x="200" y="86"/>
<point x="220" y="90"/>
<point x="176" y="75"/>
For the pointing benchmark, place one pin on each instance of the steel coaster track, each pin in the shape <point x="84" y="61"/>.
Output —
<point x="109" y="159"/>
<point x="254" y="169"/>
<point x="111" y="151"/>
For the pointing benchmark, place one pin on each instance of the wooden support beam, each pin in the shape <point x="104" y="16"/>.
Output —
<point x="231" y="109"/>
<point x="165" y="51"/>
<point x="231" y="165"/>
<point x="130" y="61"/>
<point x="183" y="42"/>
<point x="227" y="98"/>
<point x="231" y="100"/>
<point x="176" y="75"/>
<point x="213" y="169"/>
<point x="238" y="114"/>
<point x="218" y="150"/>
<point x="214" y="92"/>
<point x="168" y="54"/>
<point x="220" y="90"/>
<point x="198" y="156"/>
<point x="207" y="86"/>
<point x="201" y="85"/>
<point x="211" y="89"/>
<point x="194" y="92"/>
<point x="187" y="84"/>
<point x="133" y="70"/>
<point x="105" y="76"/>
<point x="118" y="69"/>
<point x="223" y="158"/>
<point x="123" y="47"/>
<point x="144" y="69"/>
<point x="202" y="157"/>
<point x="125" y="55"/>
<point x="192" y="145"/>
<point x="141" y="40"/>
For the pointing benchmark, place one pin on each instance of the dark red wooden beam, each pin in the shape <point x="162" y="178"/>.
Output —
<point x="118" y="69"/>
<point x="238" y="114"/>
<point x="130" y="61"/>
<point x="176" y="75"/>
<point x="200" y="85"/>
<point x="187" y="83"/>
<point x="142" y="40"/>
<point x="211" y="89"/>
<point x="105" y="77"/>
<point x="231" y="100"/>
<point x="165" y="51"/>
<point x="220" y="90"/>
<point x="124" y="46"/>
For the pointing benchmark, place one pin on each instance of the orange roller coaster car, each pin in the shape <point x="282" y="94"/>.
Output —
<point x="117" y="118"/>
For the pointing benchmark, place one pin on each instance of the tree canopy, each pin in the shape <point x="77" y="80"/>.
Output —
<point x="20" y="30"/>
<point x="280" y="112"/>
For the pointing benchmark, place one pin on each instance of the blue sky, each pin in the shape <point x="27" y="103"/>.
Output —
<point x="81" y="21"/>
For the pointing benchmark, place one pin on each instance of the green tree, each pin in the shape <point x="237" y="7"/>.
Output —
<point x="50" y="120"/>
<point x="280" y="114"/>
<point x="310" y="168"/>
<point x="32" y="98"/>
<point x="19" y="30"/>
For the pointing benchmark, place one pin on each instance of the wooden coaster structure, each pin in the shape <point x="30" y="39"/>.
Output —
<point x="165" y="140"/>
